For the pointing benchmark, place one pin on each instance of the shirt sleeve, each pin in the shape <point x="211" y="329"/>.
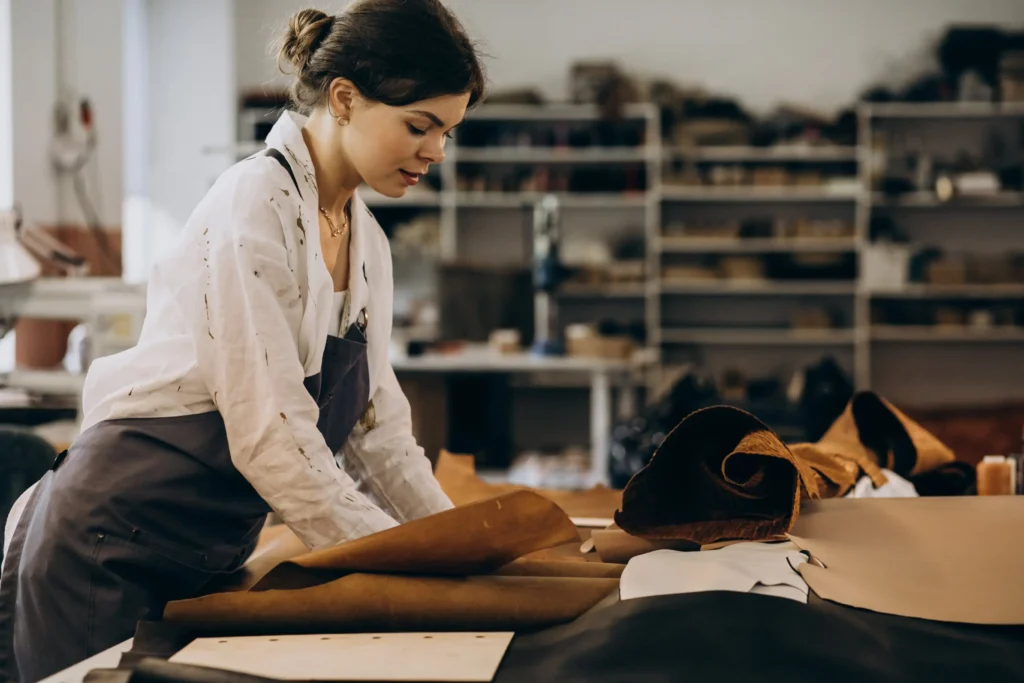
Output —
<point x="247" y="316"/>
<point x="383" y="454"/>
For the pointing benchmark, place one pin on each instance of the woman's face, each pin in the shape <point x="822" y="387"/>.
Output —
<point x="391" y="148"/>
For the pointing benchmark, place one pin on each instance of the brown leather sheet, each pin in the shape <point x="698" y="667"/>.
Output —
<point x="945" y="559"/>
<point x="372" y="602"/>
<point x="722" y="474"/>
<point x="458" y="479"/>
<point x="476" y="539"/>
<point x="461" y="569"/>
<point x="617" y="547"/>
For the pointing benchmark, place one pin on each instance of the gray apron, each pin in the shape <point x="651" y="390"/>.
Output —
<point x="139" y="512"/>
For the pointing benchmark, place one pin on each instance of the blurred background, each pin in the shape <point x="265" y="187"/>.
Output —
<point x="662" y="205"/>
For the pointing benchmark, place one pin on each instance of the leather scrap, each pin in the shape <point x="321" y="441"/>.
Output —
<point x="616" y="547"/>
<point x="458" y="479"/>
<point x="723" y="475"/>
<point x="872" y="430"/>
<point x="943" y="559"/>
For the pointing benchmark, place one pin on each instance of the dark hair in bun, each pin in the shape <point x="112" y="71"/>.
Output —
<point x="306" y="30"/>
<point x="394" y="51"/>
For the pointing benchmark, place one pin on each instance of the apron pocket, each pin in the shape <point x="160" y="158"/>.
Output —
<point x="132" y="581"/>
<point x="211" y="561"/>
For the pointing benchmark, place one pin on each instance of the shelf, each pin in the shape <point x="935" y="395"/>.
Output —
<point x="72" y="298"/>
<point x="934" y="334"/>
<point x="943" y="110"/>
<point x="574" y="290"/>
<point x="920" y="291"/>
<point x="780" y="153"/>
<point x="578" y="200"/>
<point x="703" y="245"/>
<point x="553" y="112"/>
<point x="45" y="382"/>
<point x="755" y="288"/>
<point x="928" y="200"/>
<point x="424" y="199"/>
<point x="791" y="195"/>
<point x="758" y="337"/>
<point x="483" y="359"/>
<point x="540" y="155"/>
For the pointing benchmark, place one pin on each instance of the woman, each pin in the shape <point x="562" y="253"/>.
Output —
<point x="263" y="354"/>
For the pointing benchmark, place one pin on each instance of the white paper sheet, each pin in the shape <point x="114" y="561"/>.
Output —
<point x="464" y="657"/>
<point x="765" y="568"/>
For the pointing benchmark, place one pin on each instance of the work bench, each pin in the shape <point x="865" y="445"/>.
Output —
<point x="721" y="637"/>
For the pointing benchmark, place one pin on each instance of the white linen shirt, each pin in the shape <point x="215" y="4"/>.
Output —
<point x="238" y="315"/>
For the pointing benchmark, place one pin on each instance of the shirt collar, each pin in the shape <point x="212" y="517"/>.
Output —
<point x="286" y="136"/>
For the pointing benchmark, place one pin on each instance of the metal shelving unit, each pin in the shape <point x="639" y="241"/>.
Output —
<point x="779" y="153"/>
<point x="748" y="195"/>
<point x="758" y="337"/>
<point x="754" y="245"/>
<point x="567" y="200"/>
<point x="936" y="345"/>
<point x="937" y="334"/>
<point x="457" y="207"/>
<point x="759" y="288"/>
<point x="928" y="200"/>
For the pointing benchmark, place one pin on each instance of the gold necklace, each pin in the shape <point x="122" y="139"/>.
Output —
<point x="330" y="224"/>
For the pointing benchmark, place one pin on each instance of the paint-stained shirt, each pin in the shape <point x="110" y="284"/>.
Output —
<point x="238" y="315"/>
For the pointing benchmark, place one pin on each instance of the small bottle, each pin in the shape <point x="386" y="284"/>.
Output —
<point x="997" y="476"/>
<point x="1019" y="484"/>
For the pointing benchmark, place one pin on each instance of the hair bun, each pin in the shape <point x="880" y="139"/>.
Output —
<point x="306" y="30"/>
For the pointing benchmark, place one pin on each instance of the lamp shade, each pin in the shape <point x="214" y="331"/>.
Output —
<point x="16" y="262"/>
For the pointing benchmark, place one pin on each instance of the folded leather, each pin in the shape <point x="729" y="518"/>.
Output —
<point x="475" y="539"/>
<point x="460" y="569"/>
<point x="722" y="474"/>
<point x="371" y="602"/>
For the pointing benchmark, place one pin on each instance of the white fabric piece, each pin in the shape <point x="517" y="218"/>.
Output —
<point x="765" y="568"/>
<point x="237" y="316"/>
<point x="338" y="313"/>
<point x="895" y="487"/>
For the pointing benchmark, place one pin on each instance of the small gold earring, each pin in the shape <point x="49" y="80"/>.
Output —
<point x="342" y="121"/>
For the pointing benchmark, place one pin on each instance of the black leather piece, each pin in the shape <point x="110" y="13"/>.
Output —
<point x="718" y="637"/>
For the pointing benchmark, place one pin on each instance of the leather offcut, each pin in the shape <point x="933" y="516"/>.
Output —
<point x="723" y="475"/>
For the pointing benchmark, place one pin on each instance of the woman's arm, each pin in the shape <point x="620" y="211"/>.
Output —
<point x="247" y="308"/>
<point x="383" y="454"/>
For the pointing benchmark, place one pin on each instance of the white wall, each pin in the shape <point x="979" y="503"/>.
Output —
<point x="90" y="67"/>
<point x="813" y="52"/>
<point x="34" y="55"/>
<point x="182" y="100"/>
<point x="6" y="109"/>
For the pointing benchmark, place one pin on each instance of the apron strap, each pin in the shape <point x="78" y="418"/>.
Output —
<point x="276" y="154"/>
